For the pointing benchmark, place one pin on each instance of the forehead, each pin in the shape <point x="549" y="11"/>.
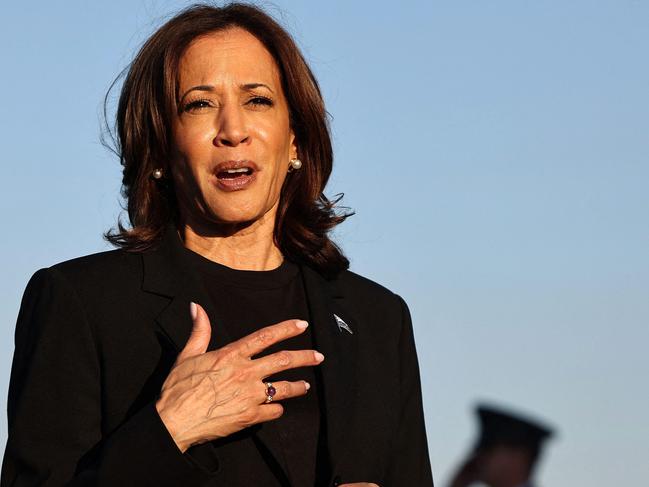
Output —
<point x="232" y="55"/>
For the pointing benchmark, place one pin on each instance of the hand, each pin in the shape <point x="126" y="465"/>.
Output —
<point x="212" y="395"/>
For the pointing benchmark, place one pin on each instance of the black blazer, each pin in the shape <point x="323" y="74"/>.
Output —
<point x="96" y="337"/>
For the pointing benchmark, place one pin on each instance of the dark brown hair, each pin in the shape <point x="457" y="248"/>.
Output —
<point x="143" y="140"/>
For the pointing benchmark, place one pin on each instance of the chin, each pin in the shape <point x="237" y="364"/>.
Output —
<point x="234" y="208"/>
<point x="234" y="215"/>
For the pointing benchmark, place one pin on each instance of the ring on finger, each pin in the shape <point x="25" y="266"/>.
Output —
<point x="270" y="392"/>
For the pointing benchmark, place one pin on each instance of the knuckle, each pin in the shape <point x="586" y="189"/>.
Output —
<point x="283" y="390"/>
<point x="264" y="337"/>
<point x="283" y="358"/>
<point x="226" y="354"/>
<point x="292" y="389"/>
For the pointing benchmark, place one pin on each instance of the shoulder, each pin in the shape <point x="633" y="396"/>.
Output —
<point x="103" y="290"/>
<point x="102" y="270"/>
<point x="349" y="284"/>
<point x="101" y="265"/>
<point x="94" y="275"/>
<point x="370" y="305"/>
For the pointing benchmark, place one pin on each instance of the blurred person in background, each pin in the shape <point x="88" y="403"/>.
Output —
<point x="507" y="452"/>
<point x="225" y="343"/>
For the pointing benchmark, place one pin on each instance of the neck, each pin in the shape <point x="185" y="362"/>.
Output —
<point x="249" y="246"/>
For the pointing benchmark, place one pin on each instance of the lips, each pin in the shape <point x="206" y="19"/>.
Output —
<point x="235" y="175"/>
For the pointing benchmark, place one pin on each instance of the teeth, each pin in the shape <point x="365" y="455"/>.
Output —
<point x="235" y="171"/>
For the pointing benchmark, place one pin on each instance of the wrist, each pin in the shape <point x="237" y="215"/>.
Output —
<point x="169" y="424"/>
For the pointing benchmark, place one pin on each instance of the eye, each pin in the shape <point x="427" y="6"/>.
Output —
<point x="260" y="101"/>
<point x="196" y="105"/>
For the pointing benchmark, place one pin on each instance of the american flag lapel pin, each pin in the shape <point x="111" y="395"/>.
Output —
<point x="342" y="325"/>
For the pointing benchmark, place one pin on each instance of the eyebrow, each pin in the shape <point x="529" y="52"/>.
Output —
<point x="244" y="87"/>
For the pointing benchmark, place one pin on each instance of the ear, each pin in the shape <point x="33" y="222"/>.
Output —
<point x="292" y="153"/>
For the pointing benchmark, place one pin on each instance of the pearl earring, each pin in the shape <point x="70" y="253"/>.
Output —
<point x="295" y="165"/>
<point x="157" y="173"/>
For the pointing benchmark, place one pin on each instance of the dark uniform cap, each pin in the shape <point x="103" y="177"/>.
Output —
<point x="500" y="427"/>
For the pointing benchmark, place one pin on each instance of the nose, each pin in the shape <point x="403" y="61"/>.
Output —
<point x="232" y="127"/>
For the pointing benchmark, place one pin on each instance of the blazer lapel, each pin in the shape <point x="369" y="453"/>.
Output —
<point x="166" y="274"/>
<point x="338" y="371"/>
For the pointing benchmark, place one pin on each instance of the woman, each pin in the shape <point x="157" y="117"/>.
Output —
<point x="195" y="354"/>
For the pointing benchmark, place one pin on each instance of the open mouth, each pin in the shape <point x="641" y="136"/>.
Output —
<point x="234" y="173"/>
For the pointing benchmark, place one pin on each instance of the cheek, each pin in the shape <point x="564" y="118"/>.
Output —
<point x="188" y="152"/>
<point x="275" y="132"/>
<point x="281" y="163"/>
<point x="277" y="140"/>
<point x="193" y="140"/>
<point x="280" y="177"/>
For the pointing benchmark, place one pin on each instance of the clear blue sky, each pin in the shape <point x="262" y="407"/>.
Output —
<point x="496" y="154"/>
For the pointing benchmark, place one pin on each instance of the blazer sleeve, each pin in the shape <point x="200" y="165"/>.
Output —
<point x="54" y="406"/>
<point x="410" y="461"/>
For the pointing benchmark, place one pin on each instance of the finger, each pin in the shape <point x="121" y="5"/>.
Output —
<point x="199" y="339"/>
<point x="287" y="359"/>
<point x="269" y="412"/>
<point x="258" y="341"/>
<point x="285" y="390"/>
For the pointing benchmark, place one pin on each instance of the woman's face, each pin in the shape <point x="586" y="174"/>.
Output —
<point x="232" y="138"/>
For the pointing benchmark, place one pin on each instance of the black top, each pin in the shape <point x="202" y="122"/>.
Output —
<point x="245" y="301"/>
<point x="97" y="336"/>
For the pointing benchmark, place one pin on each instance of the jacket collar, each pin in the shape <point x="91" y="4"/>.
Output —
<point x="166" y="274"/>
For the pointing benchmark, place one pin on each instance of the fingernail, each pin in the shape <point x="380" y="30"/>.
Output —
<point x="301" y="324"/>
<point x="307" y="385"/>
<point x="318" y="356"/>
<point x="193" y="310"/>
